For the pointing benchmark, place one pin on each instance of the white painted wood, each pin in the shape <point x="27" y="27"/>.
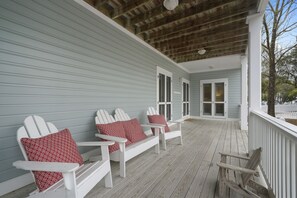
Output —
<point x="188" y="102"/>
<point x="125" y="153"/>
<point x="78" y="181"/>
<point x="121" y="115"/>
<point x="279" y="140"/>
<point x="244" y="105"/>
<point x="167" y="135"/>
<point x="254" y="53"/>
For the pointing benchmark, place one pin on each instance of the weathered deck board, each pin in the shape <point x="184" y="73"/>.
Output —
<point x="188" y="171"/>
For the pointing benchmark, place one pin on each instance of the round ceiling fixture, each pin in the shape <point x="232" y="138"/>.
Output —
<point x="201" y="51"/>
<point x="170" y="4"/>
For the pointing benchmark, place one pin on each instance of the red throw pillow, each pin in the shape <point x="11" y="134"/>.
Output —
<point x="158" y="119"/>
<point x="56" y="147"/>
<point x="133" y="130"/>
<point x="113" y="129"/>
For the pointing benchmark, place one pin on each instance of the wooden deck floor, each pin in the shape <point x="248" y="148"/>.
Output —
<point x="188" y="171"/>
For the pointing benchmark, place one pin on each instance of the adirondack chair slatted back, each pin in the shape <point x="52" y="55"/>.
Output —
<point x="252" y="164"/>
<point x="103" y="117"/>
<point x="121" y="115"/>
<point x="152" y="111"/>
<point x="34" y="127"/>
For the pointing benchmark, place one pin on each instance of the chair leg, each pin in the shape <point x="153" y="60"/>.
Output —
<point x="164" y="142"/>
<point x="181" y="140"/>
<point x="157" y="148"/>
<point x="222" y="189"/>
<point x="122" y="168"/>
<point x="108" y="180"/>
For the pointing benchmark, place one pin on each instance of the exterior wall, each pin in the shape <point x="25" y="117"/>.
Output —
<point x="234" y="90"/>
<point x="63" y="63"/>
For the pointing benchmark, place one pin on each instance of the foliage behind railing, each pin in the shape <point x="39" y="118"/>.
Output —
<point x="278" y="140"/>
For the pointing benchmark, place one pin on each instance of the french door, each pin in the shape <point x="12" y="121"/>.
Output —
<point x="164" y="93"/>
<point x="185" y="98"/>
<point x="214" y="98"/>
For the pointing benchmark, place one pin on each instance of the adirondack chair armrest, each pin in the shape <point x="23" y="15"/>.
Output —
<point x="234" y="155"/>
<point x="237" y="168"/>
<point x="46" y="166"/>
<point x="176" y="122"/>
<point x="101" y="143"/>
<point x="153" y="125"/>
<point x="111" y="138"/>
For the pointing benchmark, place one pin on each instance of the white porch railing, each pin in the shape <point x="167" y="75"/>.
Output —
<point x="278" y="140"/>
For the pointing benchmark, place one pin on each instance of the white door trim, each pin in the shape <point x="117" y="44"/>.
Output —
<point x="188" y="82"/>
<point x="212" y="82"/>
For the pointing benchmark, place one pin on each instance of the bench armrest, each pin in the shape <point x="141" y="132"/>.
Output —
<point x="234" y="155"/>
<point x="152" y="125"/>
<point x="237" y="168"/>
<point x="111" y="138"/>
<point x="100" y="143"/>
<point x="46" y="166"/>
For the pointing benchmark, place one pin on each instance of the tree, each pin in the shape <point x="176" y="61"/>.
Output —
<point x="279" y="21"/>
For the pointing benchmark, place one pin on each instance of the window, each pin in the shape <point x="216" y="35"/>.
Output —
<point x="164" y="93"/>
<point x="185" y="97"/>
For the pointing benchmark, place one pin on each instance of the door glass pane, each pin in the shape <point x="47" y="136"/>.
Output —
<point x="168" y="112"/>
<point x="219" y="87"/>
<point x="162" y="109"/>
<point x="168" y="87"/>
<point x="207" y="92"/>
<point x="219" y="110"/>
<point x="188" y="110"/>
<point x="184" y="109"/>
<point x="207" y="109"/>
<point x="161" y="88"/>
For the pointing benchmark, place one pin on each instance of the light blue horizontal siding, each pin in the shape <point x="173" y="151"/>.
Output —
<point x="62" y="62"/>
<point x="234" y="90"/>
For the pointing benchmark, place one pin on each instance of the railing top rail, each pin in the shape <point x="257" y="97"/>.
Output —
<point x="286" y="127"/>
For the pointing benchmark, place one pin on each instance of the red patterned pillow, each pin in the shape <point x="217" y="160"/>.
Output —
<point x="56" y="147"/>
<point x="113" y="129"/>
<point x="133" y="130"/>
<point x="158" y="119"/>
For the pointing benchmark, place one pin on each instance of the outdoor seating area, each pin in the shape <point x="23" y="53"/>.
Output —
<point x="189" y="170"/>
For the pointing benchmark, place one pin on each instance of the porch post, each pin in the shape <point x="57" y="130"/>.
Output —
<point x="254" y="68"/>
<point x="244" y="106"/>
<point x="254" y="54"/>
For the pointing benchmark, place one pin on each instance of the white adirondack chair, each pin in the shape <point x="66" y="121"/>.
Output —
<point x="126" y="153"/>
<point x="167" y="135"/>
<point x="78" y="180"/>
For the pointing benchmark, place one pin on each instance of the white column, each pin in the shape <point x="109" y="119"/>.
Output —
<point x="244" y="106"/>
<point x="255" y="25"/>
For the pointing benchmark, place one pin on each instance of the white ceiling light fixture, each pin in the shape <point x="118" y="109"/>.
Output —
<point x="201" y="51"/>
<point x="170" y="4"/>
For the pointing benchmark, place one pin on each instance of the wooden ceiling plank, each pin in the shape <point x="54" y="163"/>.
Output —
<point x="131" y="5"/>
<point x="186" y="14"/>
<point x="201" y="21"/>
<point x="195" y="47"/>
<point x="240" y="23"/>
<point x="218" y="34"/>
<point x="100" y="3"/>
<point x="217" y="54"/>
<point x="210" y="48"/>
<point x="203" y="42"/>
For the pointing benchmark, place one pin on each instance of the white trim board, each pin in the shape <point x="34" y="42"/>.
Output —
<point x="111" y="22"/>
<point x="217" y="119"/>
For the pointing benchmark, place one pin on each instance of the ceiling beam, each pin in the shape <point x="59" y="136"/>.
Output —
<point x="194" y="48"/>
<point x="187" y="40"/>
<point x="131" y="5"/>
<point x="210" y="50"/>
<point x="196" y="57"/>
<point x="191" y="12"/>
<point x="203" y="41"/>
<point x="207" y="20"/>
<point x="203" y="30"/>
<point x="100" y="3"/>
